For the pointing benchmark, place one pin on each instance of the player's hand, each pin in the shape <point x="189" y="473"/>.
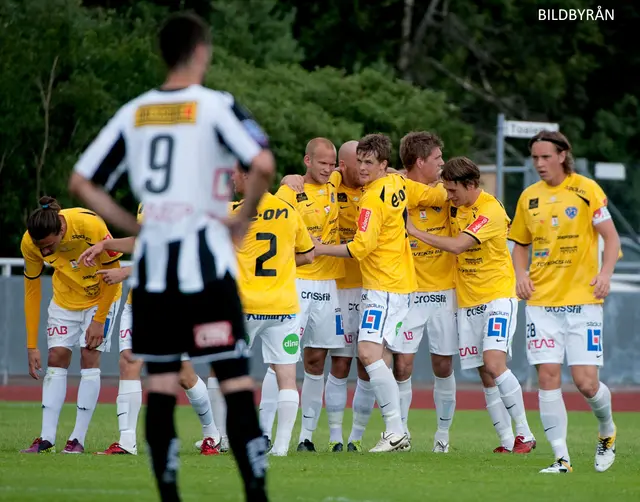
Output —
<point x="294" y="181"/>
<point x="95" y="335"/>
<point x="238" y="228"/>
<point x="411" y="228"/>
<point x="113" y="275"/>
<point x="524" y="286"/>
<point x="317" y="244"/>
<point x="88" y="257"/>
<point x="34" y="363"/>
<point x="602" y="285"/>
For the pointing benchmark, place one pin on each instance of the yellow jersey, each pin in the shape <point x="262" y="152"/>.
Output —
<point x="349" y="203"/>
<point x="559" y="223"/>
<point x="266" y="258"/>
<point x="139" y="218"/>
<point x="484" y="271"/>
<point x="381" y="243"/>
<point x="75" y="287"/>
<point x="435" y="269"/>
<point x="318" y="206"/>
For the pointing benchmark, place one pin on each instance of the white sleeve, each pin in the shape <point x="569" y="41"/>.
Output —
<point x="104" y="160"/>
<point x="239" y="132"/>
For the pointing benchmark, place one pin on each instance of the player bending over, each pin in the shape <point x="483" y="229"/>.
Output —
<point x="81" y="312"/>
<point x="179" y="144"/>
<point x="487" y="303"/>
<point x="562" y="216"/>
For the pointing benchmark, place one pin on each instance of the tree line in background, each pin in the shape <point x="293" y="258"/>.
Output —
<point x="333" y="68"/>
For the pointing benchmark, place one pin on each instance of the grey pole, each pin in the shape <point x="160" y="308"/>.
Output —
<point x="500" y="158"/>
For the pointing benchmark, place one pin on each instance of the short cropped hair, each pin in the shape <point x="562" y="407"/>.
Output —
<point x="179" y="36"/>
<point x="461" y="170"/>
<point x="418" y="145"/>
<point x="377" y="144"/>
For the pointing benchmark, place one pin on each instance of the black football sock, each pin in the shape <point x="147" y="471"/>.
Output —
<point x="163" y="444"/>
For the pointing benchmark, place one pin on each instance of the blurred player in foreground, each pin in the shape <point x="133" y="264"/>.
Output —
<point x="179" y="144"/>
<point x="129" y="400"/>
<point x="277" y="241"/>
<point x="561" y="216"/>
<point x="487" y="303"/>
<point x="81" y="312"/>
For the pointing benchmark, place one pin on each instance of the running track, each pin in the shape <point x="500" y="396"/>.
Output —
<point x="422" y="398"/>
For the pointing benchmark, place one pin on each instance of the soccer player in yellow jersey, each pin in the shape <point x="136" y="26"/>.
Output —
<point x="81" y="313"/>
<point x="316" y="282"/>
<point x="433" y="305"/>
<point x="486" y="293"/>
<point x="388" y="276"/>
<point x="561" y="216"/>
<point x="276" y="242"/>
<point x="129" y="400"/>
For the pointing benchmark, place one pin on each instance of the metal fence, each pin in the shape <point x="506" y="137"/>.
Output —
<point x="621" y="338"/>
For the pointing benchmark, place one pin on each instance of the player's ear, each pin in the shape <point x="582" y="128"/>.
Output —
<point x="562" y="156"/>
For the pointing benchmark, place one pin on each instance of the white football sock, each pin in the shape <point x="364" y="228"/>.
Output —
<point x="335" y="396"/>
<point x="218" y="405"/>
<point x="363" y="402"/>
<point x="499" y="416"/>
<point x="88" y="393"/>
<point x="387" y="395"/>
<point x="288" y="400"/>
<point x="601" y="406"/>
<point x="269" y="402"/>
<point x="312" y="390"/>
<point x="444" y="397"/>
<point x="511" y="395"/>
<point x="54" y="390"/>
<point x="199" y="399"/>
<point x="553" y="415"/>
<point x="128" y="404"/>
<point x="406" y="394"/>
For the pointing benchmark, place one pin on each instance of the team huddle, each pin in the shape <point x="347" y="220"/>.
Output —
<point x="357" y="260"/>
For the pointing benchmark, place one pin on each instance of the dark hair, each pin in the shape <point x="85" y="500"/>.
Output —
<point x="418" y="145"/>
<point x="179" y="36"/>
<point x="562" y="145"/>
<point x="377" y="144"/>
<point x="461" y="170"/>
<point x="44" y="221"/>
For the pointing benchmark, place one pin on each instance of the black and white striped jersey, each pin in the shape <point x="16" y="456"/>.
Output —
<point x="178" y="149"/>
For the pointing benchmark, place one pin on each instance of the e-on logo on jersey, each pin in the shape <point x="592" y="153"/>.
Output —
<point x="291" y="343"/>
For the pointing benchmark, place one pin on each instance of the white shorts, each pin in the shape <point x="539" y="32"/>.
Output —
<point x="280" y="336"/>
<point x="382" y="316"/>
<point x="489" y="326"/>
<point x="319" y="314"/>
<point x="434" y="314"/>
<point x="350" y="300"/>
<point x="68" y="328"/>
<point x="575" y="330"/>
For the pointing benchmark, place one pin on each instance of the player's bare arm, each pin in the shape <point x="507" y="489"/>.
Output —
<point x="524" y="285"/>
<point x="113" y="276"/>
<point x="602" y="281"/>
<point x="122" y="245"/>
<point x="455" y="245"/>
<point x="294" y="181"/>
<point x="339" y="251"/>
<point x="305" y="258"/>
<point x="103" y="204"/>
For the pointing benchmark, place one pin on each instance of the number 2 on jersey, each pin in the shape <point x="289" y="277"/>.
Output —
<point x="160" y="159"/>
<point x="260" y="260"/>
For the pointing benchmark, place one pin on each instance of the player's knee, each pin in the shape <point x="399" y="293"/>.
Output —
<point x="402" y="368"/>
<point x="586" y="384"/>
<point x="314" y="361"/>
<point x="549" y="376"/>
<point x="188" y="377"/>
<point x="369" y="353"/>
<point x="340" y="366"/>
<point x="442" y="365"/>
<point x="59" y="357"/>
<point x="89" y="358"/>
<point x="129" y="370"/>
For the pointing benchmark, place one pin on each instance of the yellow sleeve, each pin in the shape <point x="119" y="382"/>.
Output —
<point x="32" y="292"/>
<point x="287" y="195"/>
<point x="109" y="292"/>
<point x="419" y="194"/>
<point x="336" y="178"/>
<point x="96" y="230"/>
<point x="304" y="244"/>
<point x="598" y="204"/>
<point x="368" y="229"/>
<point x="519" y="232"/>
<point x="489" y="223"/>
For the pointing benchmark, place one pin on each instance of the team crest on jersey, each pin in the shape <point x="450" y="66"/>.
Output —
<point x="327" y="209"/>
<point x="342" y="197"/>
<point x="320" y="192"/>
<point x="74" y="264"/>
<point x="571" y="212"/>
<point x="554" y="221"/>
<point x="423" y="215"/>
<point x="301" y="197"/>
<point x="167" y="114"/>
<point x="533" y="203"/>
<point x="414" y="244"/>
<point x="333" y="198"/>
